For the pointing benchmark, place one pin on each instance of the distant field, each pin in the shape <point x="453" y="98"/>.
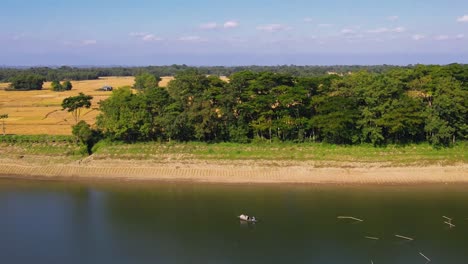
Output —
<point x="38" y="112"/>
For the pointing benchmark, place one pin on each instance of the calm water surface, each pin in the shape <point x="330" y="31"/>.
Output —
<point x="54" y="222"/>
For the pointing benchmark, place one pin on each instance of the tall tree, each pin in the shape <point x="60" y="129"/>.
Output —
<point x="447" y="115"/>
<point x="125" y="116"/>
<point x="75" y="104"/>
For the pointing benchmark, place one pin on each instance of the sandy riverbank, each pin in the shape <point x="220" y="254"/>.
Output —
<point x="236" y="172"/>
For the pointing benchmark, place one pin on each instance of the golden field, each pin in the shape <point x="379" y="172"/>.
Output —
<point x="39" y="112"/>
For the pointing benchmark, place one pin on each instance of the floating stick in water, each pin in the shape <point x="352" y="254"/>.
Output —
<point x="350" y="217"/>
<point x="373" y="238"/>
<point x="448" y="218"/>
<point x="428" y="259"/>
<point x="404" y="237"/>
<point x="449" y="224"/>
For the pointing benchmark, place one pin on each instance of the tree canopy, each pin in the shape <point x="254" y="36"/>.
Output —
<point x="75" y="104"/>
<point x="26" y="82"/>
<point x="146" y="80"/>
<point x="59" y="87"/>
<point x="426" y="103"/>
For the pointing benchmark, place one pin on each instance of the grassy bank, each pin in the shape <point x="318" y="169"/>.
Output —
<point x="64" y="148"/>
<point x="422" y="154"/>
<point x="48" y="147"/>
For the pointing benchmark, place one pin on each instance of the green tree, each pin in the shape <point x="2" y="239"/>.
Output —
<point x="335" y="118"/>
<point x="447" y="113"/>
<point x="156" y="102"/>
<point x="125" y="116"/>
<point x="86" y="136"/>
<point x="403" y="120"/>
<point x="26" y="82"/>
<point x="375" y="94"/>
<point x="146" y="80"/>
<point x="75" y="104"/>
<point x="82" y="131"/>
<point x="290" y="109"/>
<point x="187" y="90"/>
<point x="3" y="117"/>
<point x="208" y="112"/>
<point x="67" y="85"/>
<point x="56" y="86"/>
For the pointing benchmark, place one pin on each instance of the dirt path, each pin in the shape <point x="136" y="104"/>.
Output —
<point x="236" y="172"/>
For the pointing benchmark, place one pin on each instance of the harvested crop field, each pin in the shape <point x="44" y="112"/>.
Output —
<point x="39" y="112"/>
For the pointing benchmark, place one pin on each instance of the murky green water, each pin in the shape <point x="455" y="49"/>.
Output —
<point x="53" y="222"/>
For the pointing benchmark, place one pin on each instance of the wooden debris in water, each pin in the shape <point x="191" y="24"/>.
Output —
<point x="448" y="218"/>
<point x="428" y="259"/>
<point x="449" y="224"/>
<point x="373" y="238"/>
<point x="404" y="237"/>
<point x="449" y="221"/>
<point x="350" y="217"/>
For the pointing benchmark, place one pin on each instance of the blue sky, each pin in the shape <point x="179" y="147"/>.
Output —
<point x="208" y="32"/>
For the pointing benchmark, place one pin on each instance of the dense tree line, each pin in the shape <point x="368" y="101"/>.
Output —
<point x="26" y="82"/>
<point x="400" y="105"/>
<point x="91" y="73"/>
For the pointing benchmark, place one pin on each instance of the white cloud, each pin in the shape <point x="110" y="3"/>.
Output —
<point x="463" y="19"/>
<point x="308" y="20"/>
<point x="191" y="39"/>
<point x="210" y="25"/>
<point x="378" y="30"/>
<point x="213" y="25"/>
<point x="460" y="36"/>
<point x="387" y="30"/>
<point x="441" y="37"/>
<point x="347" y="31"/>
<point x="393" y="18"/>
<point x="273" y="28"/>
<point x="354" y="36"/>
<point x="145" y="36"/>
<point x="150" y="37"/>
<point x="79" y="43"/>
<point x="418" y="37"/>
<point x="88" y="42"/>
<point x="231" y="24"/>
<point x="398" y="30"/>
<point x="325" y="25"/>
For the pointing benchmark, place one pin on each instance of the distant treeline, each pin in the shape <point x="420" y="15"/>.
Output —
<point x="77" y="73"/>
<point x="398" y="105"/>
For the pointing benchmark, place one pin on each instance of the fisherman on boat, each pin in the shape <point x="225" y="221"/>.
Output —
<point x="247" y="218"/>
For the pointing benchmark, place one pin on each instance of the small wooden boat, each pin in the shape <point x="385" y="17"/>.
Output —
<point x="247" y="218"/>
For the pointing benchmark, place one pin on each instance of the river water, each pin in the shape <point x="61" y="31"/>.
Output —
<point x="57" y="222"/>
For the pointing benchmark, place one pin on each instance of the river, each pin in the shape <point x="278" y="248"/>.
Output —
<point x="150" y="222"/>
